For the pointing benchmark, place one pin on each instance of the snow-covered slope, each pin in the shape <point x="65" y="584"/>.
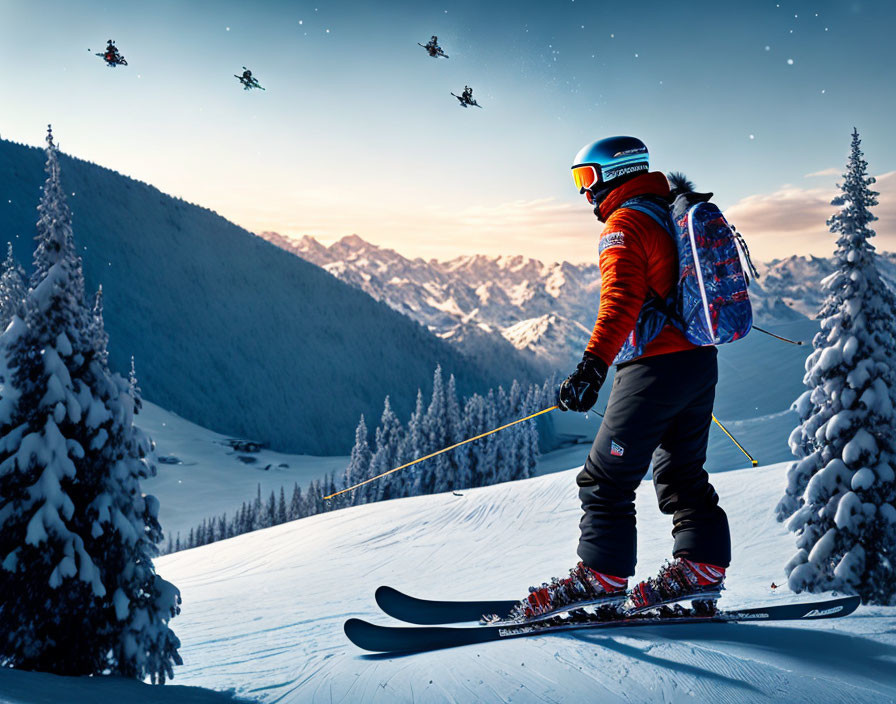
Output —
<point x="545" y="310"/>
<point x="263" y="612"/>
<point x="202" y="474"/>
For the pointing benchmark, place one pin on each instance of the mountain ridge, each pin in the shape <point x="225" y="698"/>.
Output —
<point x="227" y="329"/>
<point x="545" y="309"/>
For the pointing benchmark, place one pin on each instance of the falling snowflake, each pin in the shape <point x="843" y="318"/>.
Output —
<point x="790" y="62"/>
<point x="752" y="136"/>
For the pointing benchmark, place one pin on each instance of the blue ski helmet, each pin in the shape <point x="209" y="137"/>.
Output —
<point x="600" y="163"/>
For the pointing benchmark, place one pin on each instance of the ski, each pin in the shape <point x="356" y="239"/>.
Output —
<point x="429" y="613"/>
<point x="407" y="639"/>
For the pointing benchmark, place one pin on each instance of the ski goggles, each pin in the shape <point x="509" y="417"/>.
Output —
<point x="586" y="177"/>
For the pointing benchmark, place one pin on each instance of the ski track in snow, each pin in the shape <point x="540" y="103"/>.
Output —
<point x="263" y="612"/>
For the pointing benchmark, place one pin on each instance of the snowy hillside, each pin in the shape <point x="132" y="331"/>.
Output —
<point x="203" y="474"/>
<point x="284" y="643"/>
<point x="227" y="330"/>
<point x="546" y="310"/>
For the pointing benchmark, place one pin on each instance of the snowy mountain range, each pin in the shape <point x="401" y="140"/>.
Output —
<point x="227" y="330"/>
<point x="545" y="310"/>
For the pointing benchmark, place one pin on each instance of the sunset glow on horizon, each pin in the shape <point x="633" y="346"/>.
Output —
<point x="357" y="132"/>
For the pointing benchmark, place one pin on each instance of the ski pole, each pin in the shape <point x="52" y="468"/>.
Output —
<point x="740" y="447"/>
<point x="724" y="430"/>
<point x="778" y="337"/>
<point x="439" y="452"/>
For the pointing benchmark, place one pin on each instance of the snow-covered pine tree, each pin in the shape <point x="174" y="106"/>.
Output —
<point x="101" y="341"/>
<point x="412" y="447"/>
<point x="473" y="425"/>
<point x="358" y="465"/>
<point x="295" y="504"/>
<point x="12" y="289"/>
<point x="282" y="515"/>
<point x="388" y="440"/>
<point x="78" y="591"/>
<point x="436" y="471"/>
<point x="270" y="512"/>
<point x="841" y="491"/>
<point x="489" y="469"/>
<point x="458" y="472"/>
<point x="529" y="440"/>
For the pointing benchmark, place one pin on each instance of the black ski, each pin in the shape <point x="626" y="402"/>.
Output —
<point x="405" y="639"/>
<point x="428" y="613"/>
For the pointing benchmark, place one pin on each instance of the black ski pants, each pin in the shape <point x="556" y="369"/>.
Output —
<point x="661" y="408"/>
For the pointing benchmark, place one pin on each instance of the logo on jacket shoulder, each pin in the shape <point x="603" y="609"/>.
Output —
<point x="608" y="241"/>
<point x="616" y="449"/>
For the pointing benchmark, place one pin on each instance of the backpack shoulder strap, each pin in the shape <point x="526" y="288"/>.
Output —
<point x="658" y="210"/>
<point x="652" y="207"/>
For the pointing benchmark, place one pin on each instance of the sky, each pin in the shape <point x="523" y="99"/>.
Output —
<point x="356" y="131"/>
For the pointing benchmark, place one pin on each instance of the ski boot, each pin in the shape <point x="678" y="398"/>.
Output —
<point x="679" y="580"/>
<point x="584" y="587"/>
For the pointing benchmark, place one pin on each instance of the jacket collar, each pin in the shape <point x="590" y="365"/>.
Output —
<point x="652" y="183"/>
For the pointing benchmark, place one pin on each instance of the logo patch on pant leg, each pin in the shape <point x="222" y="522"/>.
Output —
<point x="616" y="449"/>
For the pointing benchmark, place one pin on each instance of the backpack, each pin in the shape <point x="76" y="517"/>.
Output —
<point x="710" y="304"/>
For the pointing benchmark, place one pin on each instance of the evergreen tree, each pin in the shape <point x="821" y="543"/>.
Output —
<point x="12" y="289"/>
<point x="841" y="491"/>
<point x="358" y="464"/>
<point x="474" y="424"/>
<point x="455" y="460"/>
<point x="101" y="340"/>
<point x="296" y="504"/>
<point x="134" y="387"/>
<point x="388" y="439"/>
<point x="436" y="471"/>
<point x="282" y="516"/>
<point x="256" y="517"/>
<point x="491" y="456"/>
<point x="270" y="513"/>
<point x="78" y="591"/>
<point x="412" y="447"/>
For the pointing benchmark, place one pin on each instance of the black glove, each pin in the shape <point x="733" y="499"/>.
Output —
<point x="579" y="391"/>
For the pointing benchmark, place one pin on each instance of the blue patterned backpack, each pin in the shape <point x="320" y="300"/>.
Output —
<point x="710" y="304"/>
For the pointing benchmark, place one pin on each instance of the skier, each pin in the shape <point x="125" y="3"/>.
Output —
<point x="660" y="407"/>
<point x="248" y="80"/>
<point x="466" y="98"/>
<point x="433" y="48"/>
<point x="111" y="55"/>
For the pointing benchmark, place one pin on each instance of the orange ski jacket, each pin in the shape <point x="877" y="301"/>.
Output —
<point x="638" y="259"/>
